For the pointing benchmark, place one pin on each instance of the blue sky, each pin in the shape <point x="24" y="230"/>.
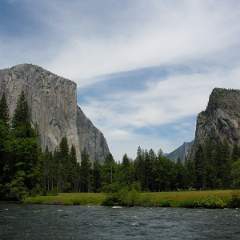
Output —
<point x="144" y="68"/>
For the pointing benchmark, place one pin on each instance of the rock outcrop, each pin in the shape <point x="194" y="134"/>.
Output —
<point x="181" y="153"/>
<point x="220" y="122"/>
<point x="54" y="110"/>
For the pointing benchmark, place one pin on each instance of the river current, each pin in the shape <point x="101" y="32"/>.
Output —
<point x="42" y="222"/>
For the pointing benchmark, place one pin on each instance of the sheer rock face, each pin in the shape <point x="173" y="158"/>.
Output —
<point x="181" y="153"/>
<point x="54" y="110"/>
<point x="220" y="121"/>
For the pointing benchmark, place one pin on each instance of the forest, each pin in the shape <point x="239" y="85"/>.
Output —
<point x="26" y="170"/>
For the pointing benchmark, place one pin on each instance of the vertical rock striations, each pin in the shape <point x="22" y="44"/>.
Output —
<point x="54" y="109"/>
<point x="220" y="121"/>
<point x="181" y="153"/>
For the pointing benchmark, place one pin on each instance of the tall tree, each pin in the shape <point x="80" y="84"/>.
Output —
<point x="4" y="112"/>
<point x="199" y="165"/>
<point x="73" y="169"/>
<point x="85" y="172"/>
<point x="96" y="176"/>
<point x="24" y="152"/>
<point x="4" y="139"/>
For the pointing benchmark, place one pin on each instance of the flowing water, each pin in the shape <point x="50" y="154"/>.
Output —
<point x="23" y="222"/>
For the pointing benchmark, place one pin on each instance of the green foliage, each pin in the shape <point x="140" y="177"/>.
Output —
<point x="19" y="150"/>
<point x="22" y="115"/>
<point x="85" y="172"/>
<point x="235" y="173"/>
<point x="4" y="112"/>
<point x="125" y="196"/>
<point x="235" y="200"/>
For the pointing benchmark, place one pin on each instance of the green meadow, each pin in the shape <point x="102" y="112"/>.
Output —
<point x="187" y="199"/>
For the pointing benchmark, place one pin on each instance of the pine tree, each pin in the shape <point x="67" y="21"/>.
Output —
<point x="63" y="164"/>
<point x="22" y="115"/>
<point x="4" y="112"/>
<point x="235" y="153"/>
<point x="108" y="170"/>
<point x="96" y="176"/>
<point x="4" y="140"/>
<point x="25" y="167"/>
<point x="139" y="165"/>
<point x="200" y="174"/>
<point x="127" y="171"/>
<point x="73" y="169"/>
<point x="85" y="172"/>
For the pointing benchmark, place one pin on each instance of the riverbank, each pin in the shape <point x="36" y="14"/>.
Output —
<point x="187" y="199"/>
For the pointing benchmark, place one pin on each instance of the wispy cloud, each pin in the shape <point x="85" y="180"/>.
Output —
<point x="162" y="103"/>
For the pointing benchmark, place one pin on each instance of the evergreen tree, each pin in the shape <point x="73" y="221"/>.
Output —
<point x="200" y="175"/>
<point x="24" y="167"/>
<point x="127" y="171"/>
<point x="73" y="169"/>
<point x="4" y="112"/>
<point x="96" y="176"/>
<point x="85" y="172"/>
<point x="108" y="170"/>
<point x="4" y="142"/>
<point x="139" y="165"/>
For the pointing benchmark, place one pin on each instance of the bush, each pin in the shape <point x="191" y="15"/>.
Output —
<point x="126" y="196"/>
<point x="235" y="200"/>
<point x="210" y="202"/>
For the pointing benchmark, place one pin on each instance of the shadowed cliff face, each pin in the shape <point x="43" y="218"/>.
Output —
<point x="221" y="120"/>
<point x="181" y="153"/>
<point x="54" y="110"/>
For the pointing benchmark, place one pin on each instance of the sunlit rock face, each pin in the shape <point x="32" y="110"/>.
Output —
<point x="220" y="122"/>
<point x="53" y="107"/>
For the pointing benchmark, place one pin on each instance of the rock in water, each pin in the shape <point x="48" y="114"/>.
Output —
<point x="220" y="121"/>
<point x="54" y="110"/>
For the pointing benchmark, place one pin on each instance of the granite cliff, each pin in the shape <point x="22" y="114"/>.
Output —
<point x="54" y="110"/>
<point x="181" y="153"/>
<point x="220" y="122"/>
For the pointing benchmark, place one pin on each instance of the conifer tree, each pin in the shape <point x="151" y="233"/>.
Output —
<point x="85" y="172"/>
<point x="199" y="162"/>
<point x="25" y="167"/>
<point x="96" y="176"/>
<point x="4" y="112"/>
<point x="73" y="169"/>
<point x="4" y="139"/>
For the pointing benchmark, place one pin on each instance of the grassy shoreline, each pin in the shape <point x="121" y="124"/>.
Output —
<point x="187" y="199"/>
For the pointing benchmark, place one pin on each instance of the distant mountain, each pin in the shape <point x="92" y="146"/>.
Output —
<point x="54" y="110"/>
<point x="180" y="153"/>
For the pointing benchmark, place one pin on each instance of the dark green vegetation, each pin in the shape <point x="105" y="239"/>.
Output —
<point x="27" y="171"/>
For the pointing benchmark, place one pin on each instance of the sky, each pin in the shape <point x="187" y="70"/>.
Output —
<point x="144" y="68"/>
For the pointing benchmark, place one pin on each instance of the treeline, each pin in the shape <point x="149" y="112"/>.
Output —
<point x="149" y="172"/>
<point x="215" y="166"/>
<point x="26" y="170"/>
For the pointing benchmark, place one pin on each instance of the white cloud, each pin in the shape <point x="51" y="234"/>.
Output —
<point x="161" y="102"/>
<point x="156" y="33"/>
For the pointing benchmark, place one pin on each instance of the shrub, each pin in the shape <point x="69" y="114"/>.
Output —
<point x="126" y="196"/>
<point x="235" y="200"/>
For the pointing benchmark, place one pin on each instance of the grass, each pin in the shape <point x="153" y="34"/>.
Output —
<point x="189" y="199"/>
<point x="69" y="199"/>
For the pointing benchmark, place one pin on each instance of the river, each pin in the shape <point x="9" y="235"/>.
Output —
<point x="35" y="222"/>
